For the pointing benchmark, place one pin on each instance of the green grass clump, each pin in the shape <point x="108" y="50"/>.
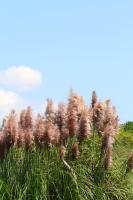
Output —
<point x="40" y="174"/>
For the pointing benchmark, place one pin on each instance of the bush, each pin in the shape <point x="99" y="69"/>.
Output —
<point x="128" y="126"/>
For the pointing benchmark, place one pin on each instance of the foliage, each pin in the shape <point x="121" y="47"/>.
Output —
<point x="40" y="174"/>
<point x="73" y="153"/>
<point x="128" y="126"/>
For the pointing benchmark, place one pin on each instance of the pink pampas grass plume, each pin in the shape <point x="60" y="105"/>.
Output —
<point x="62" y="152"/>
<point x="2" y="146"/>
<point x="61" y="116"/>
<point x="53" y="135"/>
<point x="75" y="150"/>
<point x="50" y="111"/>
<point x="52" y="132"/>
<point x="20" y="140"/>
<point x="64" y="136"/>
<point x="29" y="119"/>
<point x="105" y="119"/>
<point x="73" y="114"/>
<point x="26" y="127"/>
<point x="130" y="162"/>
<point x="39" y="133"/>
<point x="84" y="125"/>
<point x="29" y="126"/>
<point x="28" y="139"/>
<point x="10" y="130"/>
<point x="94" y="99"/>
<point x="22" y="123"/>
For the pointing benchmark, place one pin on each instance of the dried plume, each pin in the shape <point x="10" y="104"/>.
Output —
<point x="61" y="121"/>
<point x="62" y="152"/>
<point x="75" y="150"/>
<point x="50" y="112"/>
<point x="39" y="133"/>
<point x="64" y="136"/>
<point x="51" y="130"/>
<point x="26" y="127"/>
<point x="2" y="146"/>
<point x="61" y="116"/>
<point x="105" y="119"/>
<point x="84" y="125"/>
<point x="74" y="113"/>
<point x="94" y="99"/>
<point x="29" y="125"/>
<point x="22" y="123"/>
<point x="10" y="130"/>
<point x="130" y="162"/>
<point x="21" y="129"/>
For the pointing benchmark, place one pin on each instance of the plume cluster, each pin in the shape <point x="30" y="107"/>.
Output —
<point x="106" y="124"/>
<point x="73" y="120"/>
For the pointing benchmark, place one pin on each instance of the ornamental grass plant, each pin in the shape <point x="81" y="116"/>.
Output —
<point x="73" y="152"/>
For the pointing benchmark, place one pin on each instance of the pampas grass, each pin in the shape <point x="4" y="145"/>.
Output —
<point x="66" y="154"/>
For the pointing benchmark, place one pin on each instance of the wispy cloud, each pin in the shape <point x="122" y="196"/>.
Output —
<point x="13" y="80"/>
<point x="21" y="77"/>
<point x="8" y="99"/>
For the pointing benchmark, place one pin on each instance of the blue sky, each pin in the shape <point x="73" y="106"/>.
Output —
<point x="84" y="45"/>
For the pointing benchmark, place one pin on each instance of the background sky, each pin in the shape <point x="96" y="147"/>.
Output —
<point x="85" y="45"/>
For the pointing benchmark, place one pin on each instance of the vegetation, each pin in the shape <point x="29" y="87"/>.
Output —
<point x="72" y="153"/>
<point x="128" y="126"/>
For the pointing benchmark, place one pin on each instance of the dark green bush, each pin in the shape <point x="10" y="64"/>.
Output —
<point x="128" y="126"/>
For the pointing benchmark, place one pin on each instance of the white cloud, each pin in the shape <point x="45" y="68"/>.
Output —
<point x="21" y="77"/>
<point x="8" y="99"/>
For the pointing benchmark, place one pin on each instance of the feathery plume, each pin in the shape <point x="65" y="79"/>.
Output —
<point x="2" y="146"/>
<point x="50" y="113"/>
<point x="26" y="127"/>
<point x="94" y="99"/>
<point x="98" y="117"/>
<point x="29" y="119"/>
<point x="107" y="127"/>
<point x="61" y="121"/>
<point x="61" y="116"/>
<point x="39" y="133"/>
<point x="62" y="152"/>
<point x="64" y="136"/>
<point x="130" y="162"/>
<point x="28" y="139"/>
<point x="22" y="119"/>
<point x="10" y="130"/>
<point x="105" y="118"/>
<point x="53" y="135"/>
<point x="28" y="131"/>
<point x="51" y="130"/>
<point x="84" y="125"/>
<point x="75" y="150"/>
<point x="73" y="114"/>
<point x="107" y="141"/>
<point x="20" y="140"/>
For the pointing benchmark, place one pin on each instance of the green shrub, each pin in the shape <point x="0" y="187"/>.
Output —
<point x="128" y="126"/>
